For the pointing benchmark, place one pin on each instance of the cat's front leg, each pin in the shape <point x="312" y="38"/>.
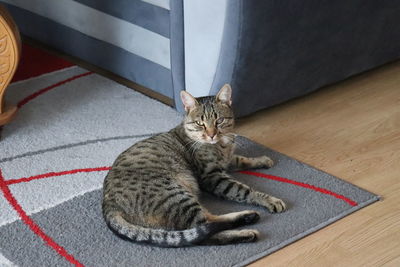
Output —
<point x="222" y="184"/>
<point x="243" y="163"/>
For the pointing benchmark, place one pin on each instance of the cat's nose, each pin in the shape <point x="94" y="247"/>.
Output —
<point x="211" y="133"/>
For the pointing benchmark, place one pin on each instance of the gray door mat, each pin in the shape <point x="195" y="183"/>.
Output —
<point x="315" y="199"/>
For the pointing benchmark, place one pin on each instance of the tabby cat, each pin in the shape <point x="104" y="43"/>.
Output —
<point x="151" y="192"/>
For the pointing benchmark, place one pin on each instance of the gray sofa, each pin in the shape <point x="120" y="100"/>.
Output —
<point x="268" y="50"/>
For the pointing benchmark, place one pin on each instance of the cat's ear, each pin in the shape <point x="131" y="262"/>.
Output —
<point x="225" y="95"/>
<point x="188" y="101"/>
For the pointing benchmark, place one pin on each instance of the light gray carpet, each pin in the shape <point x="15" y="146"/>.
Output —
<point x="86" y="123"/>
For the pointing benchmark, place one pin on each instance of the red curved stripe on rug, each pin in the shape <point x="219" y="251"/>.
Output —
<point x="32" y="225"/>
<point x="44" y="90"/>
<point x="53" y="174"/>
<point x="258" y="174"/>
<point x="308" y="186"/>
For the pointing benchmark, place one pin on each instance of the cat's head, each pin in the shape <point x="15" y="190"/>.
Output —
<point x="208" y="119"/>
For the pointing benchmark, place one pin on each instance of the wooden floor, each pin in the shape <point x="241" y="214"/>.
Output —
<point x="350" y="130"/>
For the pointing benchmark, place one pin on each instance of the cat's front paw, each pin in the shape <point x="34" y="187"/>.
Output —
<point x="274" y="205"/>
<point x="265" y="162"/>
<point x="277" y="205"/>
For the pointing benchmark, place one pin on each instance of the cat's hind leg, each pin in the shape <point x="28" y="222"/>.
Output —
<point x="232" y="237"/>
<point x="236" y="219"/>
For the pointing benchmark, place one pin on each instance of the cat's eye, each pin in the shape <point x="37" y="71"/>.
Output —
<point x="199" y="123"/>
<point x="220" y="120"/>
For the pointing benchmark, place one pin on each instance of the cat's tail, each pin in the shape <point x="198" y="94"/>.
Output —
<point x="161" y="237"/>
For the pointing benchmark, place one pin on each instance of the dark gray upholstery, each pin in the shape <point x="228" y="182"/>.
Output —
<point x="284" y="49"/>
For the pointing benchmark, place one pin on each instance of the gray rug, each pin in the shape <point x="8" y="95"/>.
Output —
<point x="54" y="157"/>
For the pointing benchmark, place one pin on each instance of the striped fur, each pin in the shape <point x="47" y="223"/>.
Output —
<point x="161" y="237"/>
<point x="151" y="192"/>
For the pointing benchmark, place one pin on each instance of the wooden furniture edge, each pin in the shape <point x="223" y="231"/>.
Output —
<point x="10" y="52"/>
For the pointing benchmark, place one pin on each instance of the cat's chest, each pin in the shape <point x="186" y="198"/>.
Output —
<point x="214" y="158"/>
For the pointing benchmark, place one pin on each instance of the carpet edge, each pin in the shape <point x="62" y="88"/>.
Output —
<point x="310" y="231"/>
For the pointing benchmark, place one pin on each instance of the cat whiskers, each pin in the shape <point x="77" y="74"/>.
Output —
<point x="194" y="145"/>
<point x="189" y="143"/>
<point x="232" y="138"/>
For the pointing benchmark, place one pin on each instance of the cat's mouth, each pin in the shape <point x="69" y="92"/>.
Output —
<point x="220" y="138"/>
<point x="209" y="140"/>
